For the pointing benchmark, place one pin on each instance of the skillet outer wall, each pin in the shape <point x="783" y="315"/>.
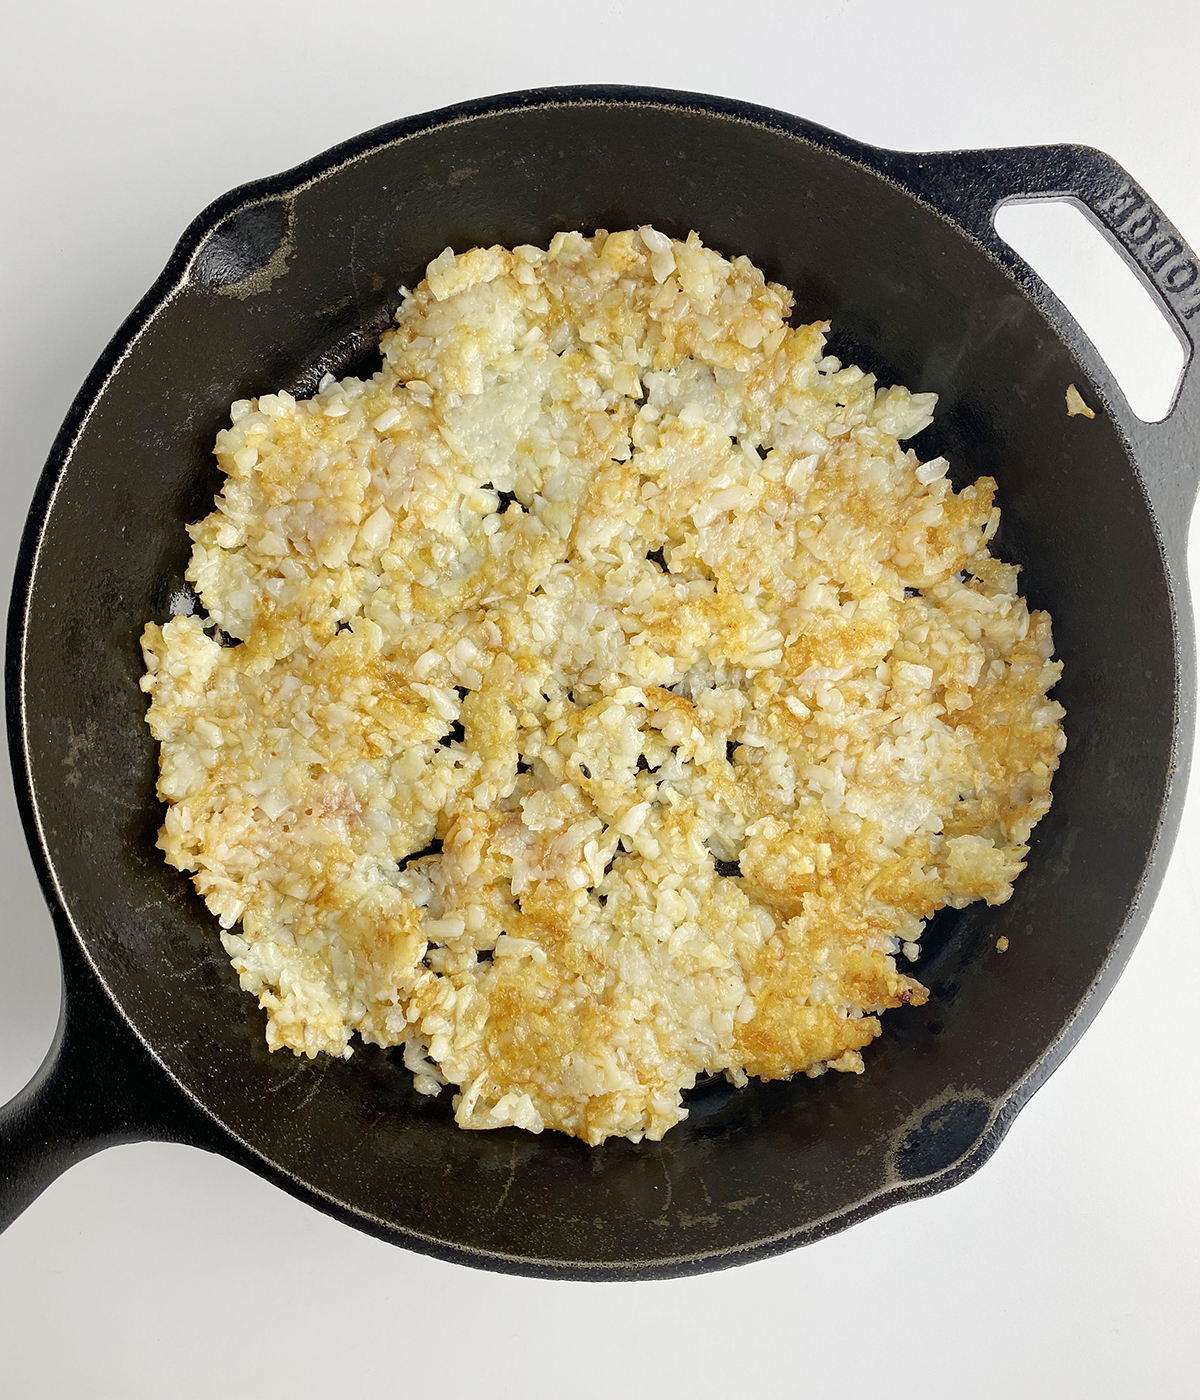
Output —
<point x="355" y="1134"/>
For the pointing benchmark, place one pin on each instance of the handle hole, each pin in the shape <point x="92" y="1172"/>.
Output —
<point x="1119" y="315"/>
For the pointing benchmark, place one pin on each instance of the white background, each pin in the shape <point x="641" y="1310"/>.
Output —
<point x="1069" y="1265"/>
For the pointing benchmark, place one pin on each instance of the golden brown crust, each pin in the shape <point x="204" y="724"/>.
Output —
<point x="616" y="696"/>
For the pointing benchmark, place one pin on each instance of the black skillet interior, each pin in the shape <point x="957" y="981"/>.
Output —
<point x="301" y="277"/>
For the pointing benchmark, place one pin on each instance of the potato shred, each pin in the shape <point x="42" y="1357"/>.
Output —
<point x="615" y="697"/>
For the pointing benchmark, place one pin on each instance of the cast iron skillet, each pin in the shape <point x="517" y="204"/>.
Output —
<point x="283" y="279"/>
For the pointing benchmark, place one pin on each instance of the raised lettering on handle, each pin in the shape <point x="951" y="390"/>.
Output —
<point x="1154" y="245"/>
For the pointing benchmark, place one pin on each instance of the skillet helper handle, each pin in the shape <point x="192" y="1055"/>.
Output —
<point x="98" y="1086"/>
<point x="969" y="186"/>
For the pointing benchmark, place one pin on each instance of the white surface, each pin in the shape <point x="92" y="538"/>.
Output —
<point x="1143" y="348"/>
<point x="1069" y="1266"/>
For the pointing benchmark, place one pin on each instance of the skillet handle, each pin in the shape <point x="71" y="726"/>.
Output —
<point x="98" y="1086"/>
<point x="969" y="186"/>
